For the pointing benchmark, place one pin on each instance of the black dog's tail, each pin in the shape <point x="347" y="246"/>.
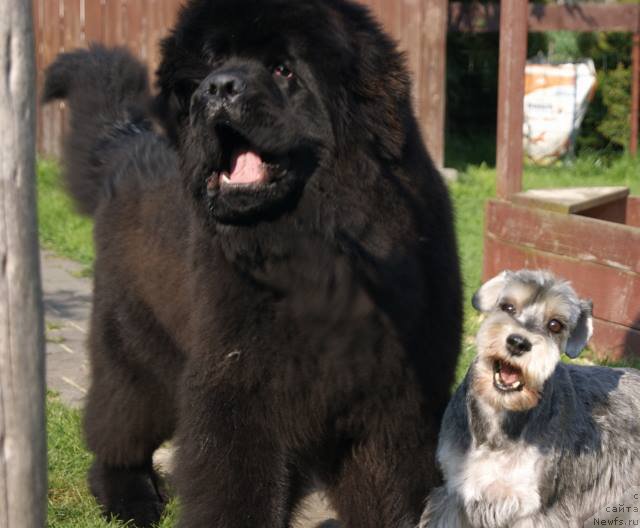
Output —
<point x="107" y="91"/>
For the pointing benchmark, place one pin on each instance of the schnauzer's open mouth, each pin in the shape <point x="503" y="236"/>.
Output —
<point x="507" y="377"/>
<point x="242" y="165"/>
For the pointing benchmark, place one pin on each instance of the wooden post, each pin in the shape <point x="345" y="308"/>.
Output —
<point x="433" y="78"/>
<point x="635" y="93"/>
<point x="22" y="423"/>
<point x="513" y="57"/>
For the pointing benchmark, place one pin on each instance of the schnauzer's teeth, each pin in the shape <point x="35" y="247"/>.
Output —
<point x="515" y="385"/>
<point x="225" y="178"/>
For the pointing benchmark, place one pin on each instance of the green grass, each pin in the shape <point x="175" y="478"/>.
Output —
<point x="68" y="500"/>
<point x="61" y="228"/>
<point x="586" y="170"/>
<point x="70" y="505"/>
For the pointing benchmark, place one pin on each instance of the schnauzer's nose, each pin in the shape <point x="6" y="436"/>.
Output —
<point x="518" y="345"/>
<point x="226" y="86"/>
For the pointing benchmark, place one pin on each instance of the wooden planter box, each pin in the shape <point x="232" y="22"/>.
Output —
<point x="593" y="242"/>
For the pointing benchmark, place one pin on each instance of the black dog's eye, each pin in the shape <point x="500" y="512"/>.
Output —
<point x="509" y="308"/>
<point x="283" y="71"/>
<point x="555" y="326"/>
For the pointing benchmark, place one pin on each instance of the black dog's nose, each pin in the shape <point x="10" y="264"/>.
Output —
<point x="518" y="345"/>
<point x="227" y="85"/>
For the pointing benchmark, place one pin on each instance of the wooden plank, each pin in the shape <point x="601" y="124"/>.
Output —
<point x="94" y="20"/>
<point x="114" y="24"/>
<point x="170" y="11"/>
<point x="588" y="16"/>
<point x="72" y="25"/>
<point x="513" y="56"/>
<point x="411" y="41"/>
<point x="144" y="31"/>
<point x="390" y="18"/>
<point x="153" y="36"/>
<point x="597" y="241"/>
<point x="635" y="94"/>
<point x="51" y="114"/>
<point x="23" y="456"/>
<point x="614" y="341"/>
<point x="611" y="212"/>
<point x="38" y="7"/>
<point x="432" y="83"/>
<point x="135" y="27"/>
<point x="633" y="211"/>
<point x="409" y="17"/>
<point x="570" y="200"/>
<point x="72" y="37"/>
<point x="615" y="293"/>
<point x="584" y="17"/>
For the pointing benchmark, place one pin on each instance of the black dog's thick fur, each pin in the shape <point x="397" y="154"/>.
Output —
<point x="302" y="332"/>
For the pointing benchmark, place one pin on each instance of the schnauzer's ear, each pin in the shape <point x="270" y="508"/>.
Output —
<point x="487" y="296"/>
<point x="583" y="331"/>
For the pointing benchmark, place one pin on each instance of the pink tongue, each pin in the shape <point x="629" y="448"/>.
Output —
<point x="508" y="374"/>
<point x="246" y="167"/>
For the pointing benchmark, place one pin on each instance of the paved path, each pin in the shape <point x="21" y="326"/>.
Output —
<point x="67" y="303"/>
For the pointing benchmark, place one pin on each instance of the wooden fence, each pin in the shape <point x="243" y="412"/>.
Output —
<point x="62" y="25"/>
<point x="420" y="26"/>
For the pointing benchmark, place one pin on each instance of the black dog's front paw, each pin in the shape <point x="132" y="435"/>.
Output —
<point x="128" y="493"/>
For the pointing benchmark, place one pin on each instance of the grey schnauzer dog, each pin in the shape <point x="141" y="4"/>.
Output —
<point x="528" y="441"/>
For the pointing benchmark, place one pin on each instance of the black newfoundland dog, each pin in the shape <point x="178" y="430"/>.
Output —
<point x="276" y="281"/>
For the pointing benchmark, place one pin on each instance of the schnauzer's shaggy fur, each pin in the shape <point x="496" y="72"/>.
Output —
<point x="298" y="330"/>
<point x="528" y="441"/>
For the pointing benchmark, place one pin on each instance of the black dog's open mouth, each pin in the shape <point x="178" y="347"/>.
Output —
<point x="249" y="179"/>
<point x="242" y="165"/>
<point x="507" y="377"/>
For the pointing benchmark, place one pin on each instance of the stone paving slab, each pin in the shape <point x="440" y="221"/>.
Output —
<point x="67" y="305"/>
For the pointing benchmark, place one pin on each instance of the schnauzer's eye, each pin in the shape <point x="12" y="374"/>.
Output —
<point x="555" y="326"/>
<point x="509" y="308"/>
<point x="283" y="71"/>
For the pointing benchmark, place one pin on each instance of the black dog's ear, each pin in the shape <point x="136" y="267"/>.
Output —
<point x="489" y="293"/>
<point x="173" y="79"/>
<point x="582" y="332"/>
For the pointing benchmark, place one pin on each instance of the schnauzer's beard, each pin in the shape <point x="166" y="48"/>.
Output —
<point x="537" y="365"/>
